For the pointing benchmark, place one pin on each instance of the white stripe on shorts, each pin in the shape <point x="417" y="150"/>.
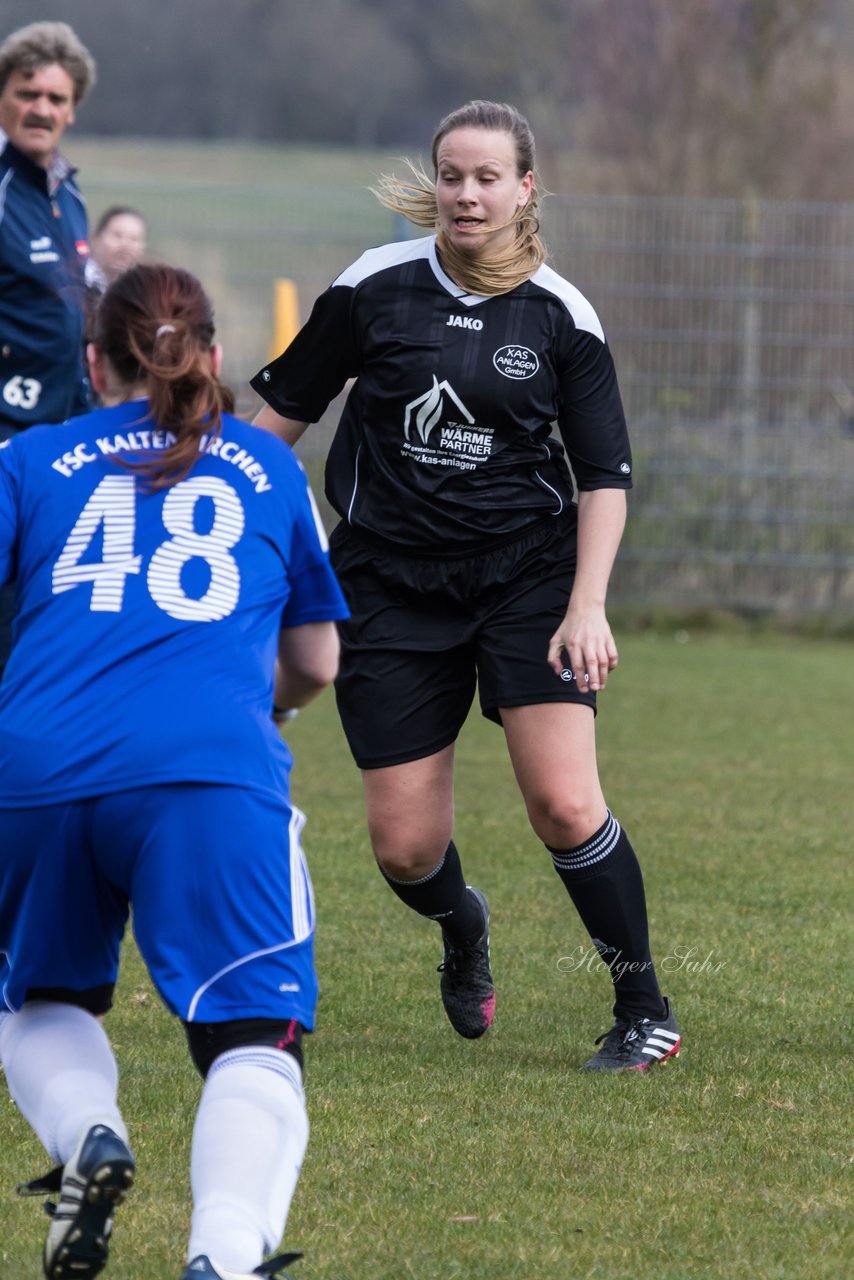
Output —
<point x="302" y="911"/>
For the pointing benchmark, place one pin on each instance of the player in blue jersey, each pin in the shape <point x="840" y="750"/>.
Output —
<point x="467" y="558"/>
<point x="171" y="568"/>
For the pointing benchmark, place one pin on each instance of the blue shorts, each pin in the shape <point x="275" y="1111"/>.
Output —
<point x="223" y="909"/>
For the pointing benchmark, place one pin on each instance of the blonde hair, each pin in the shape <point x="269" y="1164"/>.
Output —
<point x="414" y="198"/>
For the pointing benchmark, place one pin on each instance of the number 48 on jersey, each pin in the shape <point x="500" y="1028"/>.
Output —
<point x="112" y="507"/>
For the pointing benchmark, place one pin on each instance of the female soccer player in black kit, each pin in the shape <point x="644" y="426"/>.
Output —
<point x="464" y="556"/>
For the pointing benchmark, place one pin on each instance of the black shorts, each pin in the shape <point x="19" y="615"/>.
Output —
<point x="424" y="633"/>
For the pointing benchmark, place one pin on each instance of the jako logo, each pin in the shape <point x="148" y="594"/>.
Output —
<point x="516" y="362"/>
<point x="423" y="414"/>
<point x="464" y="322"/>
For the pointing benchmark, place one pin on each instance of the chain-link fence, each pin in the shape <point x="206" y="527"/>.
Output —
<point x="732" y="325"/>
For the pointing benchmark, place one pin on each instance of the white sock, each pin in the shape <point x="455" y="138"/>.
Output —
<point x="61" y="1073"/>
<point x="249" y="1140"/>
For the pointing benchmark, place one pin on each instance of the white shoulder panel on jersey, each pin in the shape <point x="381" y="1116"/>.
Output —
<point x="384" y="256"/>
<point x="575" y="302"/>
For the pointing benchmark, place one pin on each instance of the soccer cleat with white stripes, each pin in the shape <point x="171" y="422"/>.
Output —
<point x="91" y="1186"/>
<point x="636" y="1044"/>
<point x="201" y="1268"/>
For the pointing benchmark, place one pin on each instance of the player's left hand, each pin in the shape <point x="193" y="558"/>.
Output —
<point x="584" y="637"/>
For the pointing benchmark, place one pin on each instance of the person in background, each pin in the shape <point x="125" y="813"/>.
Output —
<point x="167" y="555"/>
<point x="118" y="243"/>
<point x="465" y="557"/>
<point x="45" y="73"/>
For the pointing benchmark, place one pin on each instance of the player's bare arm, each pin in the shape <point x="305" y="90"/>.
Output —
<point x="287" y="429"/>
<point x="307" y="663"/>
<point x="584" y="635"/>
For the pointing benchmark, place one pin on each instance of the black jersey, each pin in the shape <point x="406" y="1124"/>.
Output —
<point x="445" y="442"/>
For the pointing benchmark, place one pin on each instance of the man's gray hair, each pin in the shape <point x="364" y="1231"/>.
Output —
<point x="41" y="44"/>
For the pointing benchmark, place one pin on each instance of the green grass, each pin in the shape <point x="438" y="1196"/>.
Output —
<point x="728" y="758"/>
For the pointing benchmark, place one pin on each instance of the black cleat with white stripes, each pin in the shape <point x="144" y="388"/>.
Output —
<point x="636" y="1044"/>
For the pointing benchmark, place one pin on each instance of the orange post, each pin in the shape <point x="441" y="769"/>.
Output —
<point x="285" y="316"/>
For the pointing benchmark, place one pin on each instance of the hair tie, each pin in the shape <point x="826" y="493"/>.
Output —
<point x="164" y="328"/>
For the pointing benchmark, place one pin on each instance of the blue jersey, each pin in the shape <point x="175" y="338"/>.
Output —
<point x="148" y="622"/>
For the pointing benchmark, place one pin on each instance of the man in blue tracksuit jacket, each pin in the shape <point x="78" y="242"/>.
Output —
<point x="42" y="292"/>
<point x="44" y="73"/>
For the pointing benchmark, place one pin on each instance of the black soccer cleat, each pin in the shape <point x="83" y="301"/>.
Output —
<point x="636" y="1044"/>
<point x="466" y="984"/>
<point x="201" y="1268"/>
<point x="91" y="1186"/>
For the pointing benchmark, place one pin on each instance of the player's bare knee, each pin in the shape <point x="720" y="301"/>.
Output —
<point x="410" y="862"/>
<point x="408" y="854"/>
<point x="565" y="821"/>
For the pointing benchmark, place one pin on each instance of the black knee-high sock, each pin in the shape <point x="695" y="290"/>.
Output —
<point x="441" y="895"/>
<point x="604" y="880"/>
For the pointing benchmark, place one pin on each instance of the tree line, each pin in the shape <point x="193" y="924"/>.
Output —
<point x="675" y="97"/>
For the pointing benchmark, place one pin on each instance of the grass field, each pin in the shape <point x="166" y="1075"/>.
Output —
<point x="728" y="759"/>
